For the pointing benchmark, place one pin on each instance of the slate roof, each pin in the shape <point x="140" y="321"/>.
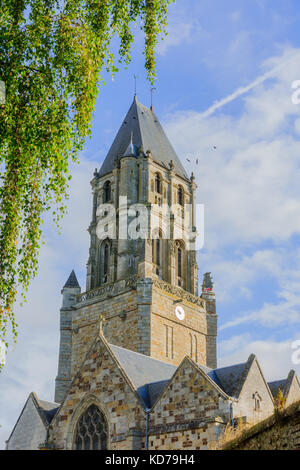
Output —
<point x="47" y="409"/>
<point x="229" y="378"/>
<point x="148" y="375"/>
<point x="142" y="125"/>
<point x="72" y="280"/>
<point x="277" y="385"/>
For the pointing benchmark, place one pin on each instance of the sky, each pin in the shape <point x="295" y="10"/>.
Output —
<point x="225" y="75"/>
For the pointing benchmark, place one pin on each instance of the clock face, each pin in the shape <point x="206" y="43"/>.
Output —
<point x="179" y="312"/>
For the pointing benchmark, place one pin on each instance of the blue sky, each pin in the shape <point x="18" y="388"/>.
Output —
<point x="248" y="52"/>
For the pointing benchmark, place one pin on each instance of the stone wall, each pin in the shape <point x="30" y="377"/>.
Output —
<point x="141" y="317"/>
<point x="190" y="439"/>
<point x="187" y="414"/>
<point x="120" y="324"/>
<point x="100" y="381"/>
<point x="279" y="432"/>
<point x="173" y="339"/>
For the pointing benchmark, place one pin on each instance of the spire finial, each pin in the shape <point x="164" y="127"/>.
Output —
<point x="207" y="285"/>
<point x="135" y="79"/>
<point x="151" y="92"/>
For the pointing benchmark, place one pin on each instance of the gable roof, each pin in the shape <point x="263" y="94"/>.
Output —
<point x="148" y="375"/>
<point x="46" y="410"/>
<point x="141" y="128"/>
<point x="232" y="379"/>
<point x="229" y="378"/>
<point x="284" y="384"/>
<point x="277" y="385"/>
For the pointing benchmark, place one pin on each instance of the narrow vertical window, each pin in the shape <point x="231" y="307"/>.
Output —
<point x="106" y="256"/>
<point x="107" y="192"/>
<point x="196" y="348"/>
<point x="169" y="341"/>
<point x="158" y="183"/>
<point x="158" y="252"/>
<point x="180" y="196"/>
<point x="179" y="262"/>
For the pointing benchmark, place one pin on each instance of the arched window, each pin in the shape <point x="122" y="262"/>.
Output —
<point x="157" y="254"/>
<point x="157" y="250"/>
<point x="91" y="430"/>
<point x="179" y="262"/>
<point x="106" y="192"/>
<point x="158" y="183"/>
<point x="104" y="261"/>
<point x="180" y="196"/>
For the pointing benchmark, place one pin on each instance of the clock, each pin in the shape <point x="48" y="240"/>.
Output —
<point x="179" y="312"/>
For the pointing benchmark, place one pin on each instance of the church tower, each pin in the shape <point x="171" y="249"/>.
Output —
<point x="142" y="273"/>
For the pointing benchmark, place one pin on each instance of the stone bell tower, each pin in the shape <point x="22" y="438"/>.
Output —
<point x="142" y="273"/>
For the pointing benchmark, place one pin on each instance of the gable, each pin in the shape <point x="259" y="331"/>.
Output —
<point x="190" y="395"/>
<point x="30" y="429"/>
<point x="102" y="379"/>
<point x="292" y="392"/>
<point x="254" y="386"/>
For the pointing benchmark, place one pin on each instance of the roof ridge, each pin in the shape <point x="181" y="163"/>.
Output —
<point x="141" y="354"/>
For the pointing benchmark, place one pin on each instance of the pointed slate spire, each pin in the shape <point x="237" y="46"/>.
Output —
<point x="148" y="133"/>
<point x="72" y="280"/>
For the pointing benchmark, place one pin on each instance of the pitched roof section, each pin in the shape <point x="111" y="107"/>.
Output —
<point x="148" y="375"/>
<point x="47" y="409"/>
<point x="284" y="385"/>
<point x="72" y="280"/>
<point x="229" y="378"/>
<point x="143" y="126"/>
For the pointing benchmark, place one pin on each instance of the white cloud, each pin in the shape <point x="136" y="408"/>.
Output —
<point x="249" y="184"/>
<point x="274" y="357"/>
<point x="177" y="34"/>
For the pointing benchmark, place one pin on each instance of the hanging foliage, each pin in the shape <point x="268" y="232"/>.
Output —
<point x="52" y="54"/>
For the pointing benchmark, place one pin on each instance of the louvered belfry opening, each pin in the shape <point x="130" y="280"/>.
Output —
<point x="91" y="430"/>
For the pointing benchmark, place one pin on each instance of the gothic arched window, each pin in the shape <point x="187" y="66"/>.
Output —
<point x="180" y="263"/>
<point x="104" y="261"/>
<point x="91" y="430"/>
<point x="106" y="192"/>
<point x="157" y="250"/>
<point x="158" y="183"/>
<point x="180" y="196"/>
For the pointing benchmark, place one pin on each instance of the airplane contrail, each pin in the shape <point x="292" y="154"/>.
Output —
<point x="242" y="90"/>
